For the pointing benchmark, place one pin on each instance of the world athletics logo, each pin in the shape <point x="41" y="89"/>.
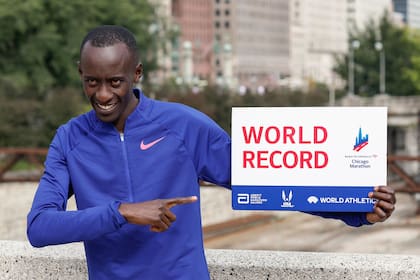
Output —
<point x="361" y="141"/>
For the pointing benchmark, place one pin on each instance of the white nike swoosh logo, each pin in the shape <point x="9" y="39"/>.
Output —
<point x="144" y="146"/>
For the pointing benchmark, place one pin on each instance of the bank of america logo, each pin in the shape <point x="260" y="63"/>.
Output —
<point x="361" y="141"/>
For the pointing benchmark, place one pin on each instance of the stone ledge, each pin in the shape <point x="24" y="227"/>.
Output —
<point x="18" y="260"/>
<point x="250" y="265"/>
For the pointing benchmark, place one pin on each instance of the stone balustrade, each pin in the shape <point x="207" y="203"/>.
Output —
<point x="18" y="260"/>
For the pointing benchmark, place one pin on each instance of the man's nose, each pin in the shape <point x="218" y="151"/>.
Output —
<point x="104" y="94"/>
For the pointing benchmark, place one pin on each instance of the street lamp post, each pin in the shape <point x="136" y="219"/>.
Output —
<point x="380" y="48"/>
<point x="355" y="44"/>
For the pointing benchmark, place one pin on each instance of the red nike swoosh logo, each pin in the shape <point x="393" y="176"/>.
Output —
<point x="144" y="146"/>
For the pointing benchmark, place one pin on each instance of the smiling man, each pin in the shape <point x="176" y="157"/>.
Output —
<point x="131" y="162"/>
<point x="109" y="73"/>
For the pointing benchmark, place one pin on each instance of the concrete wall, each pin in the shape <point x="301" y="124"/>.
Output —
<point x="18" y="260"/>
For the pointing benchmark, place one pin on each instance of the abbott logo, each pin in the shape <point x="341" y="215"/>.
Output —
<point x="243" y="198"/>
<point x="312" y="199"/>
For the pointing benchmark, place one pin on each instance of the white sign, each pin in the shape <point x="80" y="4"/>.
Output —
<point x="309" y="146"/>
<point x="308" y="159"/>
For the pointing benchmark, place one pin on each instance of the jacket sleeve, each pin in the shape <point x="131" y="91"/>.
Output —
<point x="210" y="148"/>
<point x="354" y="219"/>
<point x="215" y="160"/>
<point x="48" y="222"/>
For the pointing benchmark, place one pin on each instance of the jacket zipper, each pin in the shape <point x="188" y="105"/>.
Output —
<point x="127" y="171"/>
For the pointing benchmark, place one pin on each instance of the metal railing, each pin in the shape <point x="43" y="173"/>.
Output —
<point x="404" y="182"/>
<point x="33" y="158"/>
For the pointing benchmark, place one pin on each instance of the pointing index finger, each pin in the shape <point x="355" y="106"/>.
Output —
<point x="171" y="202"/>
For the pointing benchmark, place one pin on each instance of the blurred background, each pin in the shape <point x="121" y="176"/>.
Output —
<point x="213" y="55"/>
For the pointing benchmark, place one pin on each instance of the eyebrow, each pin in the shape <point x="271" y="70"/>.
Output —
<point x="108" y="78"/>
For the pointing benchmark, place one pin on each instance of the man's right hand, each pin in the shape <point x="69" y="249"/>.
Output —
<point x="156" y="213"/>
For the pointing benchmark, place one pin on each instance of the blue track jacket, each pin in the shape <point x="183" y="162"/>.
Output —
<point x="166" y="148"/>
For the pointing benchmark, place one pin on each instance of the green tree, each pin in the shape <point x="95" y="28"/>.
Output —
<point x="402" y="52"/>
<point x="412" y="74"/>
<point x="217" y="102"/>
<point x="39" y="50"/>
<point x="39" y="39"/>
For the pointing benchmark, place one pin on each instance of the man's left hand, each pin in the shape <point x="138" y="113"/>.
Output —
<point x="384" y="205"/>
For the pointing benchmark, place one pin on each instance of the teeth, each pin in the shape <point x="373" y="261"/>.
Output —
<point x="105" y="107"/>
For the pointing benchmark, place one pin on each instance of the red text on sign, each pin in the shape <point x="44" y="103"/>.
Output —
<point x="288" y="159"/>
<point x="284" y="135"/>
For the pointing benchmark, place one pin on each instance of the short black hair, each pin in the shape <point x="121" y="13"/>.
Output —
<point x="109" y="35"/>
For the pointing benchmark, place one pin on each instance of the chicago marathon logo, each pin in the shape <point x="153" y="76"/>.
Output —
<point x="361" y="141"/>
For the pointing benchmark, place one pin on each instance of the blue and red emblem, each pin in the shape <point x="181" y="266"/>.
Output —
<point x="361" y="141"/>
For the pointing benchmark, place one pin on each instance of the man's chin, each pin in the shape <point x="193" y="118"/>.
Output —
<point x="106" y="118"/>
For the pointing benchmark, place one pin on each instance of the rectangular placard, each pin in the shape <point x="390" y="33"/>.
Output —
<point x="307" y="158"/>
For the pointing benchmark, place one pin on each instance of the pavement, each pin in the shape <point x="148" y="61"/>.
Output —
<point x="400" y="234"/>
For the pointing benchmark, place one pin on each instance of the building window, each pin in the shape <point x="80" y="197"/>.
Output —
<point x="217" y="24"/>
<point x="227" y="24"/>
<point x="396" y="136"/>
<point x="217" y="12"/>
<point x="227" y="12"/>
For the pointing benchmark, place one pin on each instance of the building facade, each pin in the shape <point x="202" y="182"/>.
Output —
<point x="322" y="34"/>
<point x="257" y="44"/>
<point x="319" y="32"/>
<point x="260" y="38"/>
<point x="195" y="22"/>
<point x="409" y="11"/>
<point x="361" y="13"/>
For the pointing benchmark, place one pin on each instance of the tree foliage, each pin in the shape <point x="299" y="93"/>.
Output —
<point x="40" y="39"/>
<point x="39" y="50"/>
<point x="402" y="59"/>
<point x="39" y="83"/>
<point x="217" y="102"/>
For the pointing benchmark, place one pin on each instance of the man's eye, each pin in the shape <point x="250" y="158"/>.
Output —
<point x="91" y="82"/>
<point x="115" y="83"/>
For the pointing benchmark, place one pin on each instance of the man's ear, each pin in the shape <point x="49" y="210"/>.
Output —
<point x="78" y="68"/>
<point x="139" y="72"/>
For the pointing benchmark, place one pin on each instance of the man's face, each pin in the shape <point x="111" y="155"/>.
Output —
<point x="108" y="75"/>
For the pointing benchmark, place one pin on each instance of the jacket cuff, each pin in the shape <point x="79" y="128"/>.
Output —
<point x="118" y="218"/>
<point x="364" y="220"/>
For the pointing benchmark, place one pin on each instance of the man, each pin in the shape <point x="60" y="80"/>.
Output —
<point x="128" y="162"/>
